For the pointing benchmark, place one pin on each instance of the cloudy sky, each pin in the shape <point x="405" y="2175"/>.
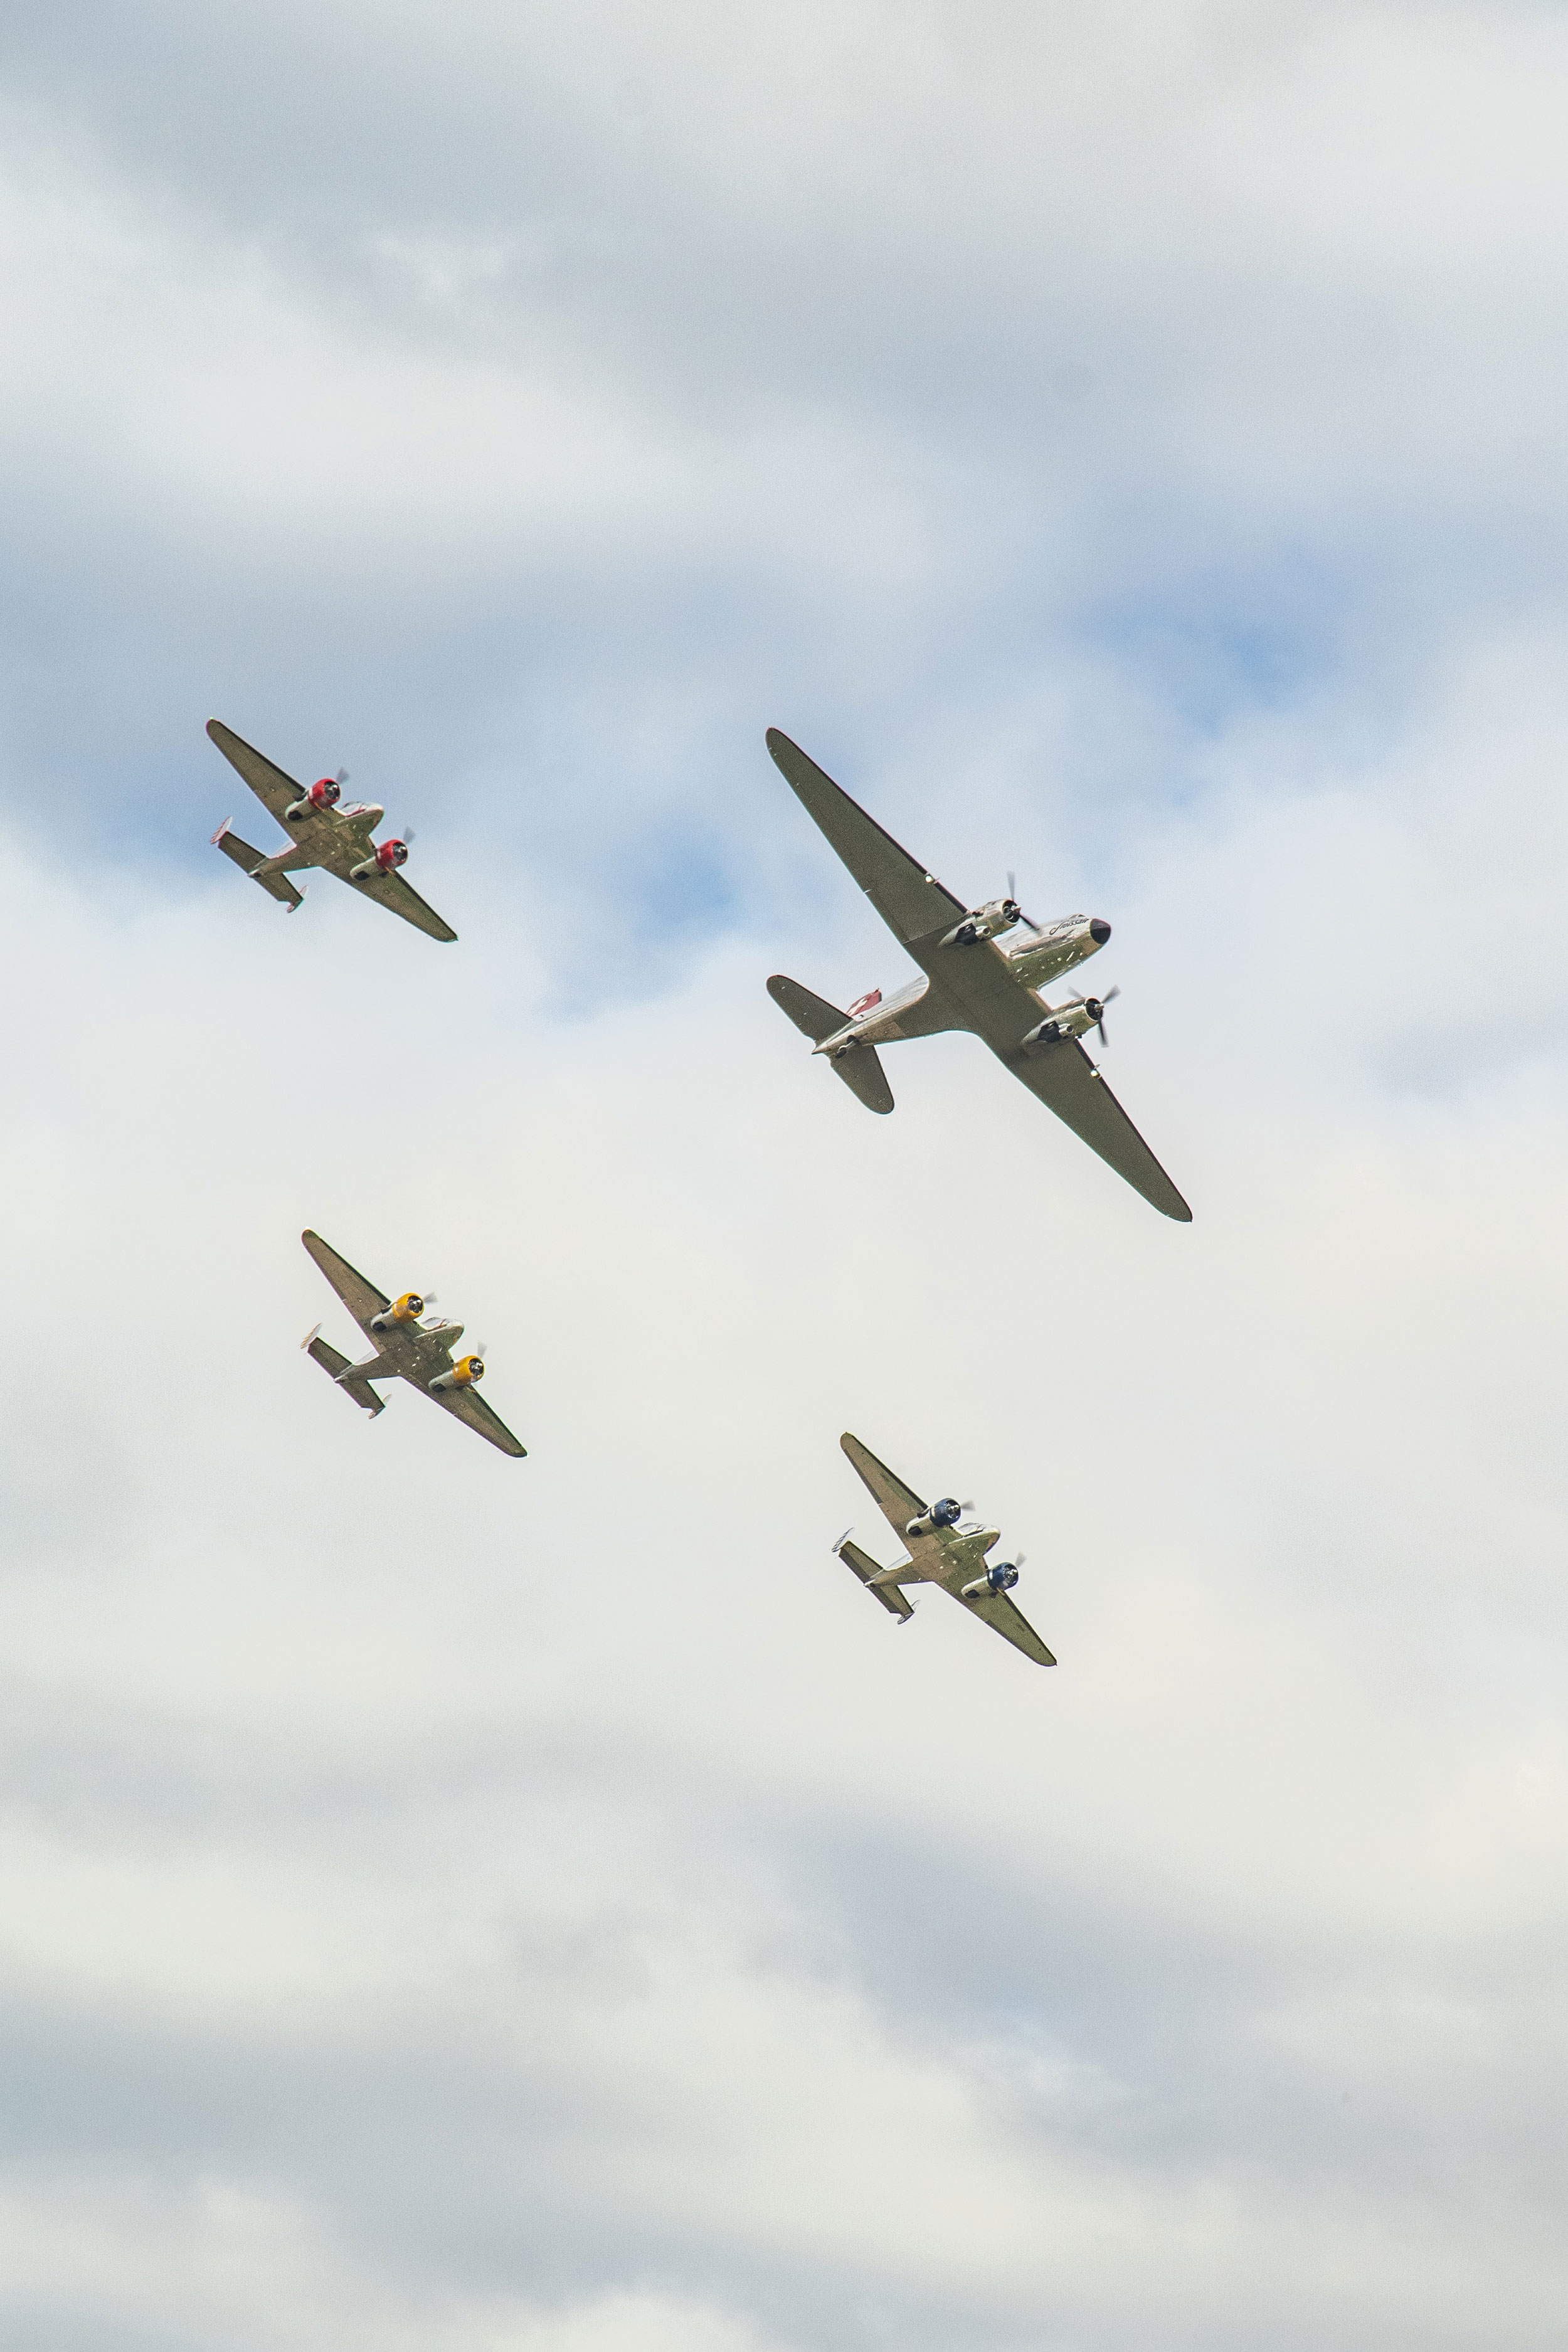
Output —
<point x="450" y="1905"/>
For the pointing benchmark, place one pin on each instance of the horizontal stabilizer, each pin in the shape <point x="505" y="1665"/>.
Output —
<point x="865" y="1568"/>
<point x="861" y="1072"/>
<point x="812" y="1015"/>
<point x="858" y="1065"/>
<point x="247" y="860"/>
<point x="322" y="1352"/>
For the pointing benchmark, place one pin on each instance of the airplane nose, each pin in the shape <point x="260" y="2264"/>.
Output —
<point x="1099" y="930"/>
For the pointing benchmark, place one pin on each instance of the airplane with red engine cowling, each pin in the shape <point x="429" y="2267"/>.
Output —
<point x="324" y="830"/>
<point x="972" y="978"/>
<point x="945" y="1549"/>
<point x="405" y="1347"/>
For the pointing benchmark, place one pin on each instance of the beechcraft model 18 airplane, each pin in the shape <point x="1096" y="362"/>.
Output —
<point x="321" y="832"/>
<point x="404" y="1348"/>
<point x="945" y="1549"/>
<point x="971" y="982"/>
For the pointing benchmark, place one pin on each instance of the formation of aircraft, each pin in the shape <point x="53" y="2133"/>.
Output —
<point x="403" y="1347"/>
<point x="323" y="830"/>
<point x="973" y="976"/>
<point x="945" y="1549"/>
<point x="970" y="981"/>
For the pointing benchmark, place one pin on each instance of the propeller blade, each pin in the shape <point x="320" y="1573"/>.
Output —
<point x="1013" y="894"/>
<point x="314" y="1333"/>
<point x="482" y="1351"/>
<point x="343" y="775"/>
<point x="845" y="1536"/>
<point x="408" y="836"/>
<point x="1104" y="1001"/>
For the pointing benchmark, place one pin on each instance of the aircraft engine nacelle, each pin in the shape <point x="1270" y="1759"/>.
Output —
<point x="1071" y="1020"/>
<point x="406" y="1310"/>
<point x="462" y="1374"/>
<point x="985" y="922"/>
<point x="325" y="794"/>
<point x="945" y="1514"/>
<point x="1001" y="1578"/>
<point x="386" y="859"/>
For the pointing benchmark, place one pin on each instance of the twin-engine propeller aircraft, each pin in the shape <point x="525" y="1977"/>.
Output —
<point x="971" y="982"/>
<point x="324" y="830"/>
<point x="404" y="1348"/>
<point x="945" y="1549"/>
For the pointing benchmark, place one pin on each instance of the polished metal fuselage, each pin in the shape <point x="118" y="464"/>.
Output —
<point x="921" y="1009"/>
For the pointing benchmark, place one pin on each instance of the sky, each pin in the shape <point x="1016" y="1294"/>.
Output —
<point x="455" y="1904"/>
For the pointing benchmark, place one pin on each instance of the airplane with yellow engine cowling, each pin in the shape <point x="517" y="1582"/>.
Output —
<point x="406" y="1347"/>
<point x="973" y="978"/>
<point x="945" y="1549"/>
<point x="324" y="830"/>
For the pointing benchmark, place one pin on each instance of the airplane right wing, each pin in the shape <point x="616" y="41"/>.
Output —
<point x="911" y="902"/>
<point x="473" y="1410"/>
<point x="1004" y="1618"/>
<point x="392" y="890"/>
<point x="897" y="1503"/>
<point x="361" y="1298"/>
<point x="273" y="789"/>
<point x="1064" y="1078"/>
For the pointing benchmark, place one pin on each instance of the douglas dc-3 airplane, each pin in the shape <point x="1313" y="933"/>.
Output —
<point x="945" y="1549"/>
<point x="405" y="1349"/>
<point x="970" y="982"/>
<point x="320" y="834"/>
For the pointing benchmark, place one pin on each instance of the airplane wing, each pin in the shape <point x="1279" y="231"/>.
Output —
<point x="896" y="1502"/>
<point x="998" y="1611"/>
<point x="1065" y="1079"/>
<point x="865" y="1568"/>
<point x="275" y="790"/>
<point x="392" y="890"/>
<point x="473" y="1410"/>
<point x="910" y="901"/>
<point x="361" y="1298"/>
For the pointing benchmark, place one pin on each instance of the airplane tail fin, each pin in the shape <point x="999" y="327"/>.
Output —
<point x="858" y="1065"/>
<point x="322" y="1352"/>
<point x="865" y="1568"/>
<point x="247" y="860"/>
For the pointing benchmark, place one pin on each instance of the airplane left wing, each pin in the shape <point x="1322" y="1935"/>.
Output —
<point x="478" y="1415"/>
<point x="911" y="902"/>
<point x="998" y="1611"/>
<point x="896" y="1502"/>
<point x="361" y="1298"/>
<point x="392" y="890"/>
<point x="275" y="790"/>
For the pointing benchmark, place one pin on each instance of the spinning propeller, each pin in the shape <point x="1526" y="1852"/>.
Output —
<point x="1013" y="895"/>
<point x="1095" y="1006"/>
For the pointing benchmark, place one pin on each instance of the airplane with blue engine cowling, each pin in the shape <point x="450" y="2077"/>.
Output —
<point x="323" y="830"/>
<point x="945" y="1549"/>
<point x="973" y="978"/>
<point x="405" y="1347"/>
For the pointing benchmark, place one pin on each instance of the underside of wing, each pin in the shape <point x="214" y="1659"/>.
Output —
<point x="865" y="1568"/>
<point x="361" y="1298"/>
<point x="1066" y="1081"/>
<point x="998" y="1611"/>
<point x="897" y="1503"/>
<point x="392" y="890"/>
<point x="910" y="901"/>
<point x="275" y="791"/>
<point x="466" y="1406"/>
